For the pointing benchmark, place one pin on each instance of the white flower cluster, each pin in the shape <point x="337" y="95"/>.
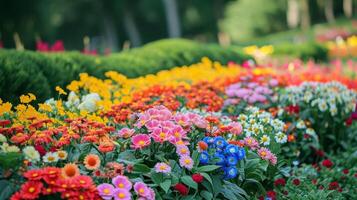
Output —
<point x="332" y="96"/>
<point x="261" y="125"/>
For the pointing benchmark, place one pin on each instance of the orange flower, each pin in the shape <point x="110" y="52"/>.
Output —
<point x="92" y="162"/>
<point x="291" y="138"/>
<point x="70" y="170"/>
<point x="106" y="147"/>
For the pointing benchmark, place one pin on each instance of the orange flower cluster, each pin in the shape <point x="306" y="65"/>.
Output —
<point x="50" y="181"/>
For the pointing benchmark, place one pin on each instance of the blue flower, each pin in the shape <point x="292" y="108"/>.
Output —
<point x="208" y="140"/>
<point x="240" y="154"/>
<point x="220" y="142"/>
<point x="230" y="172"/>
<point x="204" y="158"/>
<point x="231" y="161"/>
<point x="231" y="149"/>
<point x="219" y="159"/>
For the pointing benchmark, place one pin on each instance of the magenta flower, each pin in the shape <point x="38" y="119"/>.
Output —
<point x="152" y="124"/>
<point x="182" y="150"/>
<point x="182" y="120"/>
<point x="186" y="162"/>
<point x="121" y="194"/>
<point x="105" y="191"/>
<point x="142" y="189"/>
<point x="177" y="133"/>
<point x="236" y="128"/>
<point x="143" y="119"/>
<point x="140" y="141"/>
<point x="163" y="168"/>
<point x="160" y="134"/>
<point x="126" y="132"/>
<point x="264" y="153"/>
<point x="122" y="182"/>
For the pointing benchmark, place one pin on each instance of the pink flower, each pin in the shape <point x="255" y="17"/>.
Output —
<point x="143" y="119"/>
<point x="182" y="150"/>
<point x="273" y="159"/>
<point x="142" y="189"/>
<point x="160" y="134"/>
<point x="182" y="120"/>
<point x="264" y="153"/>
<point x="140" y="141"/>
<point x="200" y="123"/>
<point x="122" y="194"/>
<point x="152" y="124"/>
<point x="162" y="167"/>
<point x="122" y="182"/>
<point x="186" y="162"/>
<point x="126" y="132"/>
<point x="236" y="128"/>
<point x="105" y="191"/>
<point x="177" y="133"/>
<point x="251" y="143"/>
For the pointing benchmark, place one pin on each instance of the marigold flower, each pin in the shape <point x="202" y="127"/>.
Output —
<point x="70" y="170"/>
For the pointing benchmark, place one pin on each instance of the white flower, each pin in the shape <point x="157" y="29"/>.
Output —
<point x="281" y="138"/>
<point x="310" y="131"/>
<point x="2" y="138"/>
<point x="50" y="157"/>
<point x="62" y="155"/>
<point x="89" y="102"/>
<point x="333" y="110"/>
<point x="300" y="124"/>
<point x="13" y="148"/>
<point x="31" y="154"/>
<point x="308" y="96"/>
<point x="265" y="140"/>
<point x="322" y="105"/>
<point x="73" y="100"/>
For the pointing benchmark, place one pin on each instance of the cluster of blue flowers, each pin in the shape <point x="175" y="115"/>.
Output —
<point x="221" y="153"/>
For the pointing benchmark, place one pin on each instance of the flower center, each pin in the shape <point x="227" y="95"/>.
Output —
<point x="51" y="158"/>
<point x="141" y="143"/>
<point x="121" y="195"/>
<point x="162" y="135"/>
<point x="120" y="185"/>
<point x="106" y="191"/>
<point x="183" y="150"/>
<point x="34" y="174"/>
<point x="92" y="161"/>
<point x="31" y="189"/>
<point x="141" y="190"/>
<point x="162" y="167"/>
<point x="187" y="161"/>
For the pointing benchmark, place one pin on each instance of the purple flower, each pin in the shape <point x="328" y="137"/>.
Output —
<point x="163" y="168"/>
<point x="142" y="189"/>
<point x="122" y="194"/>
<point x="182" y="150"/>
<point x="186" y="162"/>
<point x="122" y="182"/>
<point x="106" y="191"/>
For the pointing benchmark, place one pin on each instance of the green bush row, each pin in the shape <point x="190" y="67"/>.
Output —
<point x="27" y="71"/>
<point x="305" y="51"/>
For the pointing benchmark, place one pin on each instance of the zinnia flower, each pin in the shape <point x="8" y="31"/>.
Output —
<point x="105" y="191"/>
<point x="31" y="154"/>
<point x="279" y="182"/>
<point x="327" y="163"/>
<point x="62" y="155"/>
<point x="296" y="182"/>
<point x="140" y="141"/>
<point x="198" y="178"/>
<point x="35" y="174"/>
<point x="92" y="162"/>
<point x="122" y="182"/>
<point x="126" y="132"/>
<point x="50" y="157"/>
<point x="141" y="189"/>
<point x="31" y="190"/>
<point x="182" y="150"/>
<point x="121" y="194"/>
<point x="70" y="170"/>
<point x="163" y="168"/>
<point x="186" y="161"/>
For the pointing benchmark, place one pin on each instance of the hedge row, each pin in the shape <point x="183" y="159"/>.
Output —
<point x="305" y="51"/>
<point x="27" y="71"/>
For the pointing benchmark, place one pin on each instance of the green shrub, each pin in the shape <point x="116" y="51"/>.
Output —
<point x="303" y="51"/>
<point x="27" y="71"/>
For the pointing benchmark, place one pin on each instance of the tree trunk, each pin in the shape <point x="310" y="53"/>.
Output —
<point x="330" y="17"/>
<point x="131" y="28"/>
<point x="293" y="13"/>
<point x="111" y="35"/>
<point x="172" y="18"/>
<point x="348" y="8"/>
<point x="305" y="14"/>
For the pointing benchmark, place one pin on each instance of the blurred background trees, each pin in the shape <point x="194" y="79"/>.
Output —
<point x="116" y="24"/>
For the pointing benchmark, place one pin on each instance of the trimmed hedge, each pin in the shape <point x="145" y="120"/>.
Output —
<point x="27" y="71"/>
<point x="304" y="51"/>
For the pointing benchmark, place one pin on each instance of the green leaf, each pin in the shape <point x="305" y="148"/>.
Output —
<point x="207" y="168"/>
<point x="142" y="168"/>
<point x="157" y="178"/>
<point x="207" y="177"/>
<point x="189" y="197"/>
<point x="7" y="189"/>
<point x="10" y="160"/>
<point x="207" y="195"/>
<point x="188" y="181"/>
<point x="166" y="185"/>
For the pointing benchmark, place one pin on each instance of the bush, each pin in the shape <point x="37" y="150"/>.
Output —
<point x="27" y="71"/>
<point x="304" y="51"/>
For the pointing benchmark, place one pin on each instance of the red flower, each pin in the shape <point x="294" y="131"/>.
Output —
<point x="84" y="181"/>
<point x="355" y="175"/>
<point x="333" y="186"/>
<point x="3" y="123"/>
<point x="346" y="171"/>
<point x="31" y="190"/>
<point x="202" y="145"/>
<point x="314" y="181"/>
<point x="327" y="163"/>
<point x="349" y="121"/>
<point x="320" y="153"/>
<point x="198" y="178"/>
<point x="296" y="182"/>
<point x="33" y="175"/>
<point x="279" y="182"/>
<point x="271" y="194"/>
<point x="181" y="188"/>
<point x="40" y="149"/>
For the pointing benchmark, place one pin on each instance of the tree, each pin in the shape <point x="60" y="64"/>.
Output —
<point x="305" y="14"/>
<point x="348" y="8"/>
<point x="172" y="18"/>
<point x="293" y="14"/>
<point x="330" y="17"/>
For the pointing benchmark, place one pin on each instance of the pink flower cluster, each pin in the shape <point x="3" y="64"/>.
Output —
<point x="121" y="190"/>
<point x="251" y="92"/>
<point x="266" y="154"/>
<point x="164" y="126"/>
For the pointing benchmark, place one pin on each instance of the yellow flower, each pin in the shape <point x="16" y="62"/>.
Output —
<point x="27" y="98"/>
<point x="60" y="90"/>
